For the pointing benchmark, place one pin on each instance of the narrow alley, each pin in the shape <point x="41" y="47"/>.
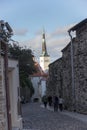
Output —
<point x="36" y="117"/>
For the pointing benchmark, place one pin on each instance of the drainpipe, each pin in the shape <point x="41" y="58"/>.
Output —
<point x="72" y="71"/>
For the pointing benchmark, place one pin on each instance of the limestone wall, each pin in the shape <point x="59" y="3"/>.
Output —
<point x="80" y="72"/>
<point x="74" y="98"/>
<point x="54" y="82"/>
<point x="80" y="69"/>
<point x="67" y="87"/>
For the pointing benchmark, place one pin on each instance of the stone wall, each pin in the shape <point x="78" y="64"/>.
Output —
<point x="67" y="81"/>
<point x="80" y="72"/>
<point x="75" y="98"/>
<point x="54" y="82"/>
<point x="3" y="115"/>
<point x="80" y="69"/>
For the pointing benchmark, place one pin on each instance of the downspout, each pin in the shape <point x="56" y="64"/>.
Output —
<point x="72" y="70"/>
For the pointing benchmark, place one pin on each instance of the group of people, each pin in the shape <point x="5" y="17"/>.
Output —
<point x="58" y="103"/>
<point x="55" y="101"/>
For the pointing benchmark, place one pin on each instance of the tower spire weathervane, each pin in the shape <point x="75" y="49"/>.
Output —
<point x="44" y="49"/>
<point x="44" y="57"/>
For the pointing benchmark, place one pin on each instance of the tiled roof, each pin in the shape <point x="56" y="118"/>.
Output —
<point x="39" y="72"/>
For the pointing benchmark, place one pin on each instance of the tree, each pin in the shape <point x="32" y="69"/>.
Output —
<point x="26" y="64"/>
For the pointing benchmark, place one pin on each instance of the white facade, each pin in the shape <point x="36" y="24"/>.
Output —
<point x="42" y="87"/>
<point x="35" y="82"/>
<point x="13" y="77"/>
<point x="44" y="62"/>
<point x="39" y="87"/>
<point x="14" y="88"/>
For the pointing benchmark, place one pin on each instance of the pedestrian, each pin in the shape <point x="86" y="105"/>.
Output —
<point x="60" y="103"/>
<point x="56" y="102"/>
<point x="44" y="100"/>
<point x="23" y="100"/>
<point x="50" y="100"/>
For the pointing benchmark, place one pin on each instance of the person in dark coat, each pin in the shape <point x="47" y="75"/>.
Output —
<point x="56" y="103"/>
<point x="44" y="100"/>
<point x="50" y="101"/>
<point x="61" y="103"/>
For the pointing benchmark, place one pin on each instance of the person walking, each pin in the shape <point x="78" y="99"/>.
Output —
<point x="50" y="101"/>
<point x="60" y="103"/>
<point x="44" y="100"/>
<point x="56" y="102"/>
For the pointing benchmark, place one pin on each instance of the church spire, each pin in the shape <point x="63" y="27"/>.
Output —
<point x="44" y="49"/>
<point x="44" y="57"/>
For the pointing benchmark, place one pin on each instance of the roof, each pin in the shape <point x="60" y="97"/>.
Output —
<point x="39" y="72"/>
<point x="78" y="25"/>
<point x="38" y="67"/>
<point x="65" y="47"/>
<point x="55" y="61"/>
<point x="39" y="75"/>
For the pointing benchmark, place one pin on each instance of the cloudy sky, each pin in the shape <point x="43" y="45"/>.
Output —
<point x="28" y="18"/>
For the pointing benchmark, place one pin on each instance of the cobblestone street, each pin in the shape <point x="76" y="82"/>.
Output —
<point x="37" y="118"/>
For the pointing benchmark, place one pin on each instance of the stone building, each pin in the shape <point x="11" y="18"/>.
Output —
<point x="74" y="70"/>
<point x="80" y="66"/>
<point x="54" y="82"/>
<point x="14" y="116"/>
<point x="67" y="77"/>
<point x="10" y="113"/>
<point x="38" y="80"/>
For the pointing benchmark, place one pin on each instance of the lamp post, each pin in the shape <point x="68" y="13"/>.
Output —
<point x="5" y="34"/>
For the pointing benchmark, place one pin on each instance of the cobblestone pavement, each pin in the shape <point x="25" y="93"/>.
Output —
<point x="37" y="118"/>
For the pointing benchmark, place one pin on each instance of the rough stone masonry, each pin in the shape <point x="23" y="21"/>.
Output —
<point x="63" y="81"/>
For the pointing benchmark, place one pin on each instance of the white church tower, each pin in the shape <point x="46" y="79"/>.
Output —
<point x="44" y="57"/>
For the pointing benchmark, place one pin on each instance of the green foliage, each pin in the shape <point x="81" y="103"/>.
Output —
<point x="26" y="64"/>
<point x="30" y="86"/>
<point x="25" y="57"/>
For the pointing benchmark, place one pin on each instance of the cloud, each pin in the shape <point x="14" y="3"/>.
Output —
<point x="61" y="31"/>
<point x="39" y="32"/>
<point x="56" y="45"/>
<point x="20" y="32"/>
